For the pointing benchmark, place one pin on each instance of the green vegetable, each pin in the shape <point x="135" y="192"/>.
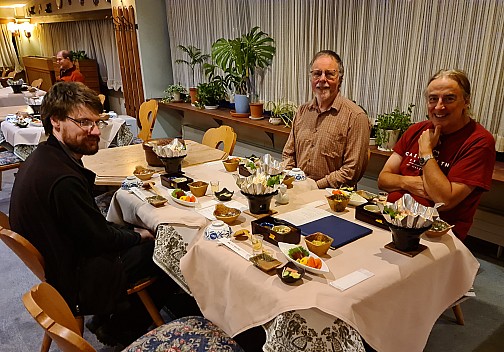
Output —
<point x="177" y="193"/>
<point x="272" y="180"/>
<point x="298" y="252"/>
<point x="393" y="213"/>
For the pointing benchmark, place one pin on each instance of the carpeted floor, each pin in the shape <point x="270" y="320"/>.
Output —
<point x="484" y="315"/>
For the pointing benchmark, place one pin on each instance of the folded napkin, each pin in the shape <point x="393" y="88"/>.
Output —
<point x="128" y="208"/>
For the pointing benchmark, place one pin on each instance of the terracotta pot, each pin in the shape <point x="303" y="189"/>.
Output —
<point x="193" y="92"/>
<point x="256" y="109"/>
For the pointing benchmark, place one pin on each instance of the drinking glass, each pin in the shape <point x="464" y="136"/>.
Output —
<point x="257" y="244"/>
<point x="214" y="185"/>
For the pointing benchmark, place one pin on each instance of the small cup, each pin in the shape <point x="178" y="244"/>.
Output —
<point x="257" y="244"/>
<point x="214" y="186"/>
<point x="382" y="197"/>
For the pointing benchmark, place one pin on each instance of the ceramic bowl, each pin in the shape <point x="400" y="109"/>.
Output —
<point x="298" y="174"/>
<point x="228" y="215"/>
<point x="318" y="243"/>
<point x="144" y="174"/>
<point x="438" y="229"/>
<point x="288" y="279"/>
<point x="198" y="188"/>
<point x="131" y="181"/>
<point x="373" y="208"/>
<point x="217" y="229"/>
<point x="224" y="195"/>
<point x="231" y="164"/>
<point x="337" y="204"/>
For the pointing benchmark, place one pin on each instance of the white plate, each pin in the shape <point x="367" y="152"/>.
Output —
<point x="284" y="247"/>
<point x="183" y="202"/>
<point x="355" y="199"/>
<point x="256" y="118"/>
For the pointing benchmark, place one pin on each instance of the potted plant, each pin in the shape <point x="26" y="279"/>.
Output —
<point x="389" y="127"/>
<point x="281" y="111"/>
<point x="256" y="107"/>
<point x="196" y="57"/>
<point x="239" y="58"/>
<point x="210" y="94"/>
<point x="173" y="93"/>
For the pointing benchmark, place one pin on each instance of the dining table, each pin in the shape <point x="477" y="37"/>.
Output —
<point x="393" y="309"/>
<point x="25" y="139"/>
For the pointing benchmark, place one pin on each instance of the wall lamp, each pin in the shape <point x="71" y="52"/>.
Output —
<point x="16" y="28"/>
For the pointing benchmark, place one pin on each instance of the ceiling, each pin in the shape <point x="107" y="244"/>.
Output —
<point x="13" y="2"/>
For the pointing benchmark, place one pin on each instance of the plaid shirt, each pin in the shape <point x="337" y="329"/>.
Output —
<point x="330" y="147"/>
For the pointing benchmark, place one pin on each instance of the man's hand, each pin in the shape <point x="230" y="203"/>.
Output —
<point x="415" y="185"/>
<point x="145" y="235"/>
<point x="428" y="141"/>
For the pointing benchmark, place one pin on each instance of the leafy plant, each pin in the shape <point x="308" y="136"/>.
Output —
<point x="78" y="55"/>
<point x="211" y="93"/>
<point x="240" y="57"/>
<point x="171" y="90"/>
<point x="196" y="57"/>
<point x="396" y="120"/>
<point x="282" y="109"/>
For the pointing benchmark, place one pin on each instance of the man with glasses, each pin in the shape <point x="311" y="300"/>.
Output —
<point x="88" y="260"/>
<point x="447" y="159"/>
<point x="68" y="71"/>
<point x="329" y="139"/>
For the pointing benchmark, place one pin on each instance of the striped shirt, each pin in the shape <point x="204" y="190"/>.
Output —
<point x="330" y="147"/>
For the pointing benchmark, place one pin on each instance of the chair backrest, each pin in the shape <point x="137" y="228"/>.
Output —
<point x="37" y="83"/>
<point x="11" y="74"/>
<point x="4" y="221"/>
<point x="147" y="115"/>
<point x="224" y="134"/>
<point x="102" y="98"/>
<point x="50" y="310"/>
<point x="25" y="251"/>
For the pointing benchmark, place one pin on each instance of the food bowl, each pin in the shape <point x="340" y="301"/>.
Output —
<point x="16" y="88"/>
<point x="406" y="239"/>
<point x="198" y="188"/>
<point x="151" y="157"/>
<point x="438" y="229"/>
<point x="337" y="203"/>
<point x="143" y="173"/>
<point x="372" y="208"/>
<point x="224" y="195"/>
<point x="290" y="268"/>
<point x="318" y="243"/>
<point x="231" y="164"/>
<point x="157" y="201"/>
<point x="226" y="214"/>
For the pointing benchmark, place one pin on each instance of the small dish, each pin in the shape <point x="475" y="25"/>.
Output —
<point x="228" y="215"/>
<point x="157" y="201"/>
<point x="224" y="195"/>
<point x="231" y="164"/>
<point x="337" y="204"/>
<point x="198" y="188"/>
<point x="143" y="173"/>
<point x="438" y="229"/>
<point x="183" y="202"/>
<point x="285" y="273"/>
<point x="373" y="208"/>
<point x="318" y="243"/>
<point x="281" y="229"/>
<point x="355" y="198"/>
<point x="265" y="262"/>
<point x="284" y="248"/>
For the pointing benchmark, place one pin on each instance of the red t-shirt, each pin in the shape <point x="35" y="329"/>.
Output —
<point x="466" y="156"/>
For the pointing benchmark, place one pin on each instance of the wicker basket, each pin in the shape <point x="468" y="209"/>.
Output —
<point x="319" y="250"/>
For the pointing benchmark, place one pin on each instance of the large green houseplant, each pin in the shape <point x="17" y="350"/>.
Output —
<point x="390" y="126"/>
<point x="239" y="58"/>
<point x="210" y="94"/>
<point x="196" y="57"/>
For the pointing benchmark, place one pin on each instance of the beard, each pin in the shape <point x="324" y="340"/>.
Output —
<point x="86" y="145"/>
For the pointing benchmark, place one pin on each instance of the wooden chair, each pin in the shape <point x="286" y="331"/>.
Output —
<point x="147" y="115"/>
<point x="35" y="262"/>
<point x="51" y="312"/>
<point x="37" y="83"/>
<point x="224" y="134"/>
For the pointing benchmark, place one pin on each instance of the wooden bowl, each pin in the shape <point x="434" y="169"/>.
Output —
<point x="444" y="228"/>
<point x="198" y="188"/>
<point x="144" y="174"/>
<point x="318" y="248"/>
<point x="337" y="204"/>
<point x="230" y="165"/>
<point x="226" y="214"/>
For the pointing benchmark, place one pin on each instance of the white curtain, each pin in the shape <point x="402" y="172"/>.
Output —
<point x="389" y="48"/>
<point x="96" y="38"/>
<point x="8" y="57"/>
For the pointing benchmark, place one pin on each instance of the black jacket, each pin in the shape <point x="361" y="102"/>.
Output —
<point x="52" y="206"/>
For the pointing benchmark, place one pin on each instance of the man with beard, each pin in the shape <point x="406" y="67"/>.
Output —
<point x="90" y="261"/>
<point x="329" y="139"/>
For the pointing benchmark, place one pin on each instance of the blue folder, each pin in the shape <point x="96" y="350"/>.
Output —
<point x="341" y="230"/>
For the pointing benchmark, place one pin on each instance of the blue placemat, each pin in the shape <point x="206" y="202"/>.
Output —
<point x="341" y="230"/>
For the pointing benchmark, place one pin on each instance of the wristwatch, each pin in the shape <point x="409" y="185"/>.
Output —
<point x="423" y="160"/>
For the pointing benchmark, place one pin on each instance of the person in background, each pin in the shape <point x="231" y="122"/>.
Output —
<point x="91" y="262"/>
<point x="329" y="139"/>
<point x="447" y="159"/>
<point x="68" y="71"/>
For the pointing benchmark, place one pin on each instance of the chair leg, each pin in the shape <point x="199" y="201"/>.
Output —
<point x="457" y="310"/>
<point x="46" y="343"/>
<point x="151" y="307"/>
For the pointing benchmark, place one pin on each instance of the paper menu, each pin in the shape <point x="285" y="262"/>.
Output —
<point x="304" y="215"/>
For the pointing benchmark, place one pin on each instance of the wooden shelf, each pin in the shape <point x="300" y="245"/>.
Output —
<point x="223" y="114"/>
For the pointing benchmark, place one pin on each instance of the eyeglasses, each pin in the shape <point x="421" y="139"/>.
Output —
<point x="329" y="74"/>
<point x="88" y="124"/>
